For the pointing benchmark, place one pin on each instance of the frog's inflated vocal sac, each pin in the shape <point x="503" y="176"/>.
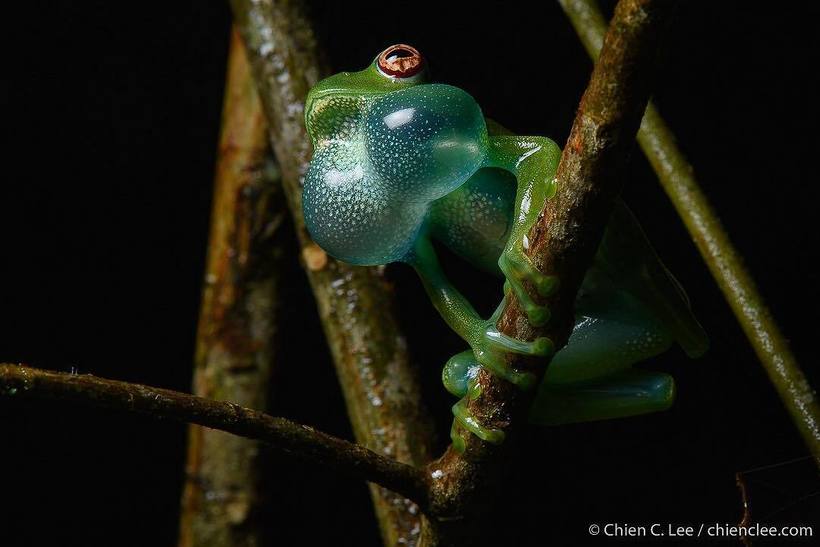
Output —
<point x="399" y="162"/>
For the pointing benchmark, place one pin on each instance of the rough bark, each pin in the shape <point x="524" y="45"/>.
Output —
<point x="290" y="438"/>
<point x="355" y="303"/>
<point x="562" y="243"/>
<point x="238" y="319"/>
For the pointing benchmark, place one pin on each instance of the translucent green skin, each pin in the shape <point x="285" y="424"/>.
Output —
<point x="401" y="162"/>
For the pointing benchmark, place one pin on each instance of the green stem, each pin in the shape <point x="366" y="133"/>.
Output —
<point x="724" y="261"/>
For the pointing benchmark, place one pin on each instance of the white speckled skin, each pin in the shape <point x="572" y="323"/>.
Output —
<point x="369" y="188"/>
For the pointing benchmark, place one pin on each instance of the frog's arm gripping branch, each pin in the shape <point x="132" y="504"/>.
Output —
<point x="562" y="243"/>
<point x="488" y="346"/>
<point x="290" y="438"/>
<point x="533" y="161"/>
<point x="456" y="310"/>
<point x="487" y="343"/>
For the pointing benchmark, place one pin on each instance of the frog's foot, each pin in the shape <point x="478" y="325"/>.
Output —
<point x="468" y="422"/>
<point x="518" y="269"/>
<point x="459" y="376"/>
<point x="459" y="372"/>
<point x="490" y="348"/>
<point x="493" y="346"/>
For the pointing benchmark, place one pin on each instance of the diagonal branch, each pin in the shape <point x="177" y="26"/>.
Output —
<point x="677" y="178"/>
<point x="562" y="243"/>
<point x="284" y="435"/>
<point x="355" y="304"/>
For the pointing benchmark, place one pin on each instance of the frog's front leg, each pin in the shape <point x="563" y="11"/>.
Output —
<point x="488" y="346"/>
<point x="533" y="161"/>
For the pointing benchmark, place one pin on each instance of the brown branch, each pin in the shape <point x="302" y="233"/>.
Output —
<point x="222" y="501"/>
<point x="355" y="304"/>
<point x="304" y="442"/>
<point x="563" y="243"/>
<point x="678" y="180"/>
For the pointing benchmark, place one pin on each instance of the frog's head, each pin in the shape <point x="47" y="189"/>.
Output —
<point x="385" y="147"/>
<point x="337" y="99"/>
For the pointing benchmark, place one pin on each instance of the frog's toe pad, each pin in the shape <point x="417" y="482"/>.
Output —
<point x="468" y="421"/>
<point x="544" y="284"/>
<point x="540" y="347"/>
<point x="459" y="372"/>
<point x="518" y="269"/>
<point x="537" y="315"/>
<point x="519" y="265"/>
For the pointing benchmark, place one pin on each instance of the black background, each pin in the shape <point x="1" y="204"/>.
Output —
<point x="112" y="110"/>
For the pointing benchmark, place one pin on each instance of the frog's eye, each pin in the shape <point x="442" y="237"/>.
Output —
<point x="400" y="61"/>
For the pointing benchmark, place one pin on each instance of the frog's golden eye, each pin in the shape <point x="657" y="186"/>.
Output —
<point x="400" y="61"/>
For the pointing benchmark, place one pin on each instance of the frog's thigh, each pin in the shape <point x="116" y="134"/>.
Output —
<point x="606" y="341"/>
<point x="626" y="393"/>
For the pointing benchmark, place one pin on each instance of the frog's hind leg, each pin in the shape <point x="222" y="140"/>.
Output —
<point x="627" y="258"/>
<point x="612" y="332"/>
<point x="591" y="378"/>
<point x="625" y="393"/>
<point x="459" y="376"/>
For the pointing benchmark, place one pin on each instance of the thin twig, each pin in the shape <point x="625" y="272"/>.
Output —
<point x="222" y="499"/>
<point x="297" y="440"/>
<point x="355" y="304"/>
<point x="677" y="178"/>
<point x="746" y="516"/>
<point x="562" y="243"/>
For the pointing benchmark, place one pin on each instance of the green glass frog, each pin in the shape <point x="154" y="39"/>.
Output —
<point x="400" y="162"/>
